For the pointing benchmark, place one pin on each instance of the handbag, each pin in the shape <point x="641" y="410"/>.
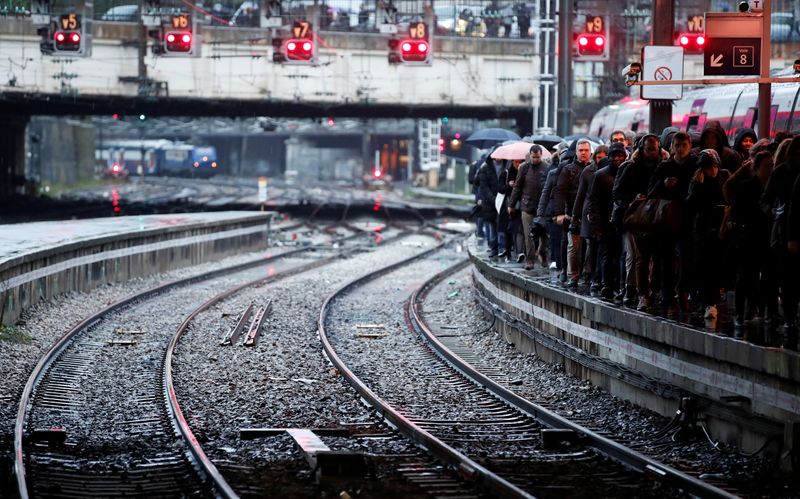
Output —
<point x="653" y="216"/>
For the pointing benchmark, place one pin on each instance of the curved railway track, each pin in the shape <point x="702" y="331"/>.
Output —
<point x="64" y="382"/>
<point x="508" y="445"/>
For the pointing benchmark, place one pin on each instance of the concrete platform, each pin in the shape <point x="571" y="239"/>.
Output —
<point x="43" y="259"/>
<point x="745" y="392"/>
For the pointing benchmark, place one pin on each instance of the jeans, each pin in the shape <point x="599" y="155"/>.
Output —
<point x="490" y="233"/>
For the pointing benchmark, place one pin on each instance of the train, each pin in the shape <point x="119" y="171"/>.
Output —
<point x="735" y="106"/>
<point x="157" y="157"/>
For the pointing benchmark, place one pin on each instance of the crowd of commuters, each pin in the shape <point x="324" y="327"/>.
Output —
<point x="666" y="224"/>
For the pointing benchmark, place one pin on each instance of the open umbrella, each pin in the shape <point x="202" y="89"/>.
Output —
<point x="517" y="150"/>
<point x="546" y="140"/>
<point x="489" y="137"/>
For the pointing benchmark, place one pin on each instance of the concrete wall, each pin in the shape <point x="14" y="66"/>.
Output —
<point x="61" y="150"/>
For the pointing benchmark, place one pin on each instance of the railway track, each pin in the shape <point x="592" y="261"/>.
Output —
<point x="74" y="439"/>
<point x="506" y="444"/>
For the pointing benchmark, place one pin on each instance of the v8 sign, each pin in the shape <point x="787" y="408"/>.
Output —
<point x="732" y="56"/>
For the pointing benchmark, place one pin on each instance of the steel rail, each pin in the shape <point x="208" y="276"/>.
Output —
<point x="55" y="351"/>
<point x="177" y="417"/>
<point x="465" y="466"/>
<point x="618" y="452"/>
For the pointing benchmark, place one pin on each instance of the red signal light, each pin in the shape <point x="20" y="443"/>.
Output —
<point x="67" y="41"/>
<point x="377" y="173"/>
<point x="115" y="168"/>
<point x="692" y="43"/>
<point x="179" y="41"/>
<point x="591" y="44"/>
<point x="414" y="51"/>
<point x="300" y="50"/>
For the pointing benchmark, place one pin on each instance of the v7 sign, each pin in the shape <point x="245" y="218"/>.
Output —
<point x="732" y="56"/>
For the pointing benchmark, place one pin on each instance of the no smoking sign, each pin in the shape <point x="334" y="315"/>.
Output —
<point x="662" y="73"/>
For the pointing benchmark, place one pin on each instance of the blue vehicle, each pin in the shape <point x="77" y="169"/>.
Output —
<point x="162" y="157"/>
<point x="185" y="160"/>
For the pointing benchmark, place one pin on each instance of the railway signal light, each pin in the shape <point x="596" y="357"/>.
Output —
<point x="68" y="37"/>
<point x="178" y="41"/>
<point x="414" y="50"/>
<point x="179" y="38"/>
<point x="300" y="50"/>
<point x="692" y="43"/>
<point x="591" y="45"/>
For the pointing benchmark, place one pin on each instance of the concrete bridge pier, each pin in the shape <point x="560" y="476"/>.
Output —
<point x="12" y="154"/>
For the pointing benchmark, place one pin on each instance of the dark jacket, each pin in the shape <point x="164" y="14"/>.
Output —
<point x="706" y="201"/>
<point x="671" y="168"/>
<point x="599" y="201"/>
<point x="775" y="202"/>
<point x="566" y="188"/>
<point x="751" y="225"/>
<point x="793" y="225"/>
<point x="486" y="182"/>
<point x="579" y="214"/>
<point x="632" y="180"/>
<point x="528" y="187"/>
<point x="506" y="176"/>
<point x="545" y="208"/>
<point x="730" y="159"/>
<point x="472" y="175"/>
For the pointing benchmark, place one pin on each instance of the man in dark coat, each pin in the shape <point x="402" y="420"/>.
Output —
<point x="472" y="177"/>
<point x="579" y="222"/>
<point x="527" y="191"/>
<point x="713" y="137"/>
<point x="755" y="271"/>
<point x="486" y="182"/>
<point x="777" y="203"/>
<point x="671" y="181"/>
<point x="632" y="183"/>
<point x="599" y="203"/>
<point x="566" y="190"/>
<point x="546" y="210"/>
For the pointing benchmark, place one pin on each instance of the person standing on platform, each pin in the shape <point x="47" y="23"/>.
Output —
<point x="566" y="190"/>
<point x="599" y="204"/>
<point x="527" y="191"/>
<point x="486" y="183"/>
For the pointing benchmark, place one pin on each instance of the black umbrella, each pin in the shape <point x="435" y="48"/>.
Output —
<point x="546" y="140"/>
<point x="489" y="137"/>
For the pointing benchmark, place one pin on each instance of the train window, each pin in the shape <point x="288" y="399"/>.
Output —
<point x="751" y="118"/>
<point x="691" y="125"/>
<point x="635" y="126"/>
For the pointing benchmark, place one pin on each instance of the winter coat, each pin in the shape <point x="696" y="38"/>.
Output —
<point x="632" y="180"/>
<point x="776" y="200"/>
<point x="751" y="226"/>
<point x="566" y="188"/>
<point x="528" y="187"/>
<point x="599" y="201"/>
<point x="707" y="203"/>
<point x="671" y="168"/>
<point x="730" y="159"/>
<point x="486" y="182"/>
<point x="579" y="214"/>
<point x="793" y="224"/>
<point x="545" y="208"/>
<point x="506" y="176"/>
<point x="472" y="175"/>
